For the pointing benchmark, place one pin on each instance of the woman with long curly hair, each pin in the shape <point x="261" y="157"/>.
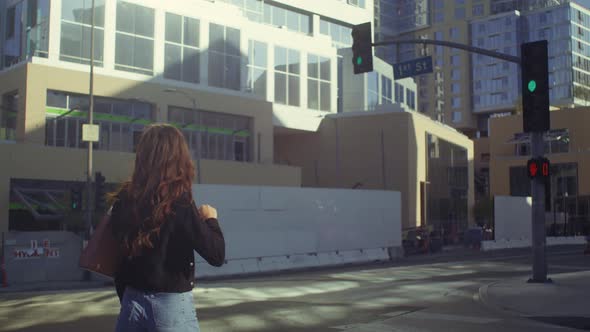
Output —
<point x="158" y="226"/>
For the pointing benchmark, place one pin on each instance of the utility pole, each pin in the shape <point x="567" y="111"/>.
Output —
<point x="89" y="198"/>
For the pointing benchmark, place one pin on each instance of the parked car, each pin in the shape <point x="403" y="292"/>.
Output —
<point x="420" y="240"/>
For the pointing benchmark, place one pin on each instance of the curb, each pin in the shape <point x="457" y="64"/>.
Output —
<point x="484" y="299"/>
<point x="53" y="288"/>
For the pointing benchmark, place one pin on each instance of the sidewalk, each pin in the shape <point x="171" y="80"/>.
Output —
<point x="568" y="297"/>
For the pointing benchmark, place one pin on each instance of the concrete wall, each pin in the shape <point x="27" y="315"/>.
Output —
<point x="276" y="228"/>
<point x="58" y="263"/>
<point x="265" y="228"/>
<point x="11" y="81"/>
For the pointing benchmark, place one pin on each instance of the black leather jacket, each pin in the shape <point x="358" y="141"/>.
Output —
<point x="170" y="265"/>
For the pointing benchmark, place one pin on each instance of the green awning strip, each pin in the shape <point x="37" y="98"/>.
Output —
<point x="16" y="206"/>
<point x="21" y="206"/>
<point x="125" y="119"/>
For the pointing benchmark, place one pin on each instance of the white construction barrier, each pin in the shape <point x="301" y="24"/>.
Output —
<point x="512" y="218"/>
<point x="526" y="243"/>
<point x="280" y="228"/>
<point x="513" y="229"/>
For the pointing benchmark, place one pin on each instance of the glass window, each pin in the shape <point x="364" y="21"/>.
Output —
<point x="287" y="69"/>
<point x="181" y="52"/>
<point x="456" y="88"/>
<point x="439" y="17"/>
<point x="173" y="28"/>
<point x="257" y="68"/>
<point x="399" y="93"/>
<point x="290" y="19"/>
<point x="478" y="10"/>
<point x="455" y="60"/>
<point x="372" y="90"/>
<point x="134" y="45"/>
<point x="318" y="83"/>
<point x="8" y="116"/>
<point x="324" y="27"/>
<point x="456" y="102"/>
<point x="75" y="32"/>
<point x="172" y="61"/>
<point x="455" y="74"/>
<point x="224" y="57"/>
<point x="460" y="13"/>
<point x="454" y="33"/>
<point x="386" y="90"/>
<point x="191" y="32"/>
<point x="118" y="120"/>
<point x="456" y="117"/>
<point x="217" y="132"/>
<point x="447" y="168"/>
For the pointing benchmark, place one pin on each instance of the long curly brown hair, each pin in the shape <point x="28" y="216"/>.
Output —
<point x="163" y="173"/>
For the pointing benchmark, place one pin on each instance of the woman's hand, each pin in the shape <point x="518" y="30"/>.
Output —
<point x="207" y="211"/>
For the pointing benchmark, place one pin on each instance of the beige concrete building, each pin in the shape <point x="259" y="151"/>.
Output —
<point x="44" y="153"/>
<point x="429" y="163"/>
<point x="567" y="146"/>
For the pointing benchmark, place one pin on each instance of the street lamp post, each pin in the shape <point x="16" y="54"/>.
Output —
<point x="194" y="103"/>
<point x="89" y="200"/>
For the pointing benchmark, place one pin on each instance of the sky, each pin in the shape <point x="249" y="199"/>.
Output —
<point x="585" y="3"/>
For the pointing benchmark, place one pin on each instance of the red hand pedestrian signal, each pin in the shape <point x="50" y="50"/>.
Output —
<point x="538" y="167"/>
<point x="533" y="168"/>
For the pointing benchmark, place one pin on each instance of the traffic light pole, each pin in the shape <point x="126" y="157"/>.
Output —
<point x="468" y="48"/>
<point x="538" y="214"/>
<point x="537" y="145"/>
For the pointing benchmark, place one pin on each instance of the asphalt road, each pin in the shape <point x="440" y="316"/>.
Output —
<point x="434" y="293"/>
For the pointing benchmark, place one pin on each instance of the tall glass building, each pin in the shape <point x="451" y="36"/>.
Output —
<point x="566" y="27"/>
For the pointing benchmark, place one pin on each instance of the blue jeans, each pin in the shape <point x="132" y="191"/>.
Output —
<point x="157" y="312"/>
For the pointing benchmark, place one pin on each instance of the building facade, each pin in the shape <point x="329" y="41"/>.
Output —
<point x="232" y="75"/>
<point x="567" y="146"/>
<point x="466" y="88"/>
<point x="496" y="83"/>
<point x="429" y="163"/>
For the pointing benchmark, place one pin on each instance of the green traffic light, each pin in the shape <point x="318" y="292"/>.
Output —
<point x="359" y="60"/>
<point x="532" y="85"/>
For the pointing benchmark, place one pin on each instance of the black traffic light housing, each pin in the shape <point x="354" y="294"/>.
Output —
<point x="99" y="191"/>
<point x="76" y="199"/>
<point x="362" y="48"/>
<point x="535" y="86"/>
